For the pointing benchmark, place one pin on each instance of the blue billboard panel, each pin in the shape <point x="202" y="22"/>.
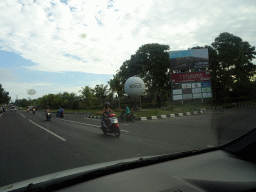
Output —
<point x="206" y="84"/>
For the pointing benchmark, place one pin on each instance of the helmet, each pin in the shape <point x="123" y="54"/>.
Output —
<point x="107" y="103"/>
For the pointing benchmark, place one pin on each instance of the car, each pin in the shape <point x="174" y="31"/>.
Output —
<point x="20" y="108"/>
<point x="30" y="108"/>
<point x="13" y="109"/>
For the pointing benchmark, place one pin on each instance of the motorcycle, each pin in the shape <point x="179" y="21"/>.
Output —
<point x="61" y="114"/>
<point x="113" y="126"/>
<point x="48" y="116"/>
<point x="129" y="117"/>
<point x="27" y="110"/>
<point x="34" y="111"/>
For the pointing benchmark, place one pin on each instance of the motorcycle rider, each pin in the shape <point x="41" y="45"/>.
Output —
<point x="106" y="112"/>
<point x="34" y="109"/>
<point x="61" y="112"/>
<point x="127" y="112"/>
<point x="47" y="110"/>
<point x="58" y="112"/>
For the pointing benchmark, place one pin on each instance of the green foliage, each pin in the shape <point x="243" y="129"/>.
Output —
<point x="101" y="92"/>
<point x="65" y="99"/>
<point x="117" y="84"/>
<point x="151" y="63"/>
<point x="87" y="95"/>
<point x="231" y="67"/>
<point x="4" y="96"/>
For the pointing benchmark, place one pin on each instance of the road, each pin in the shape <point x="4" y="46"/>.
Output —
<point x="30" y="146"/>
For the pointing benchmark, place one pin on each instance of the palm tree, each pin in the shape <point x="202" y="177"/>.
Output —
<point x="72" y="98"/>
<point x="101" y="92"/>
<point x="86" y="94"/>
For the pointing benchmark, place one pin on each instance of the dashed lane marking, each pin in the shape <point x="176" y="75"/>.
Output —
<point x="48" y="131"/>
<point x="87" y="124"/>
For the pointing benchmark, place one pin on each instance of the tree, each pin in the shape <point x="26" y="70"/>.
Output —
<point x="47" y="100"/>
<point x="101" y="92"/>
<point x="117" y="84"/>
<point x="4" y="96"/>
<point x="151" y="63"/>
<point x="232" y="64"/>
<point x="72" y="98"/>
<point x="23" y="103"/>
<point x="87" y="94"/>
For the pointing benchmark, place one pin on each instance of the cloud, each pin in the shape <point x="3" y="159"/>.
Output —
<point x="21" y="89"/>
<point x="52" y="33"/>
<point x="7" y="74"/>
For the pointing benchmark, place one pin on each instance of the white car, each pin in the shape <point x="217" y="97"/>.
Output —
<point x="13" y="109"/>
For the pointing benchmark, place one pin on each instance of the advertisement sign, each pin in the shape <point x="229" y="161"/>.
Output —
<point x="177" y="91"/>
<point x="207" y="95"/>
<point x="196" y="85"/>
<point x="187" y="96"/>
<point x="186" y="91"/>
<point x="189" y="59"/>
<point x="176" y="86"/>
<point x="206" y="84"/>
<point x="186" y="85"/>
<point x="190" y="77"/>
<point x="197" y="96"/>
<point x="196" y="90"/>
<point x="206" y="89"/>
<point x="177" y="97"/>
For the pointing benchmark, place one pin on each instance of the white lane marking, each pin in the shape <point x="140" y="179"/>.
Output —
<point x="1" y="114"/>
<point x="80" y="123"/>
<point x="88" y="124"/>
<point x="48" y="131"/>
<point x="22" y="115"/>
<point x="125" y="131"/>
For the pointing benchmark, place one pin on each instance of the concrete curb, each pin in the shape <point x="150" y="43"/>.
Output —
<point x="196" y="112"/>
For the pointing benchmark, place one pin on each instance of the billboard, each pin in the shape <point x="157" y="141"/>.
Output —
<point x="177" y="97"/>
<point x="191" y="77"/>
<point x="189" y="59"/>
<point x="188" y="91"/>
<point x="187" y="96"/>
<point x="207" y="95"/>
<point x="206" y="89"/>
<point x="176" y="91"/>
<point x="197" y="96"/>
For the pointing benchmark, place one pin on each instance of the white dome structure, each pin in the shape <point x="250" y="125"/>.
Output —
<point x="134" y="87"/>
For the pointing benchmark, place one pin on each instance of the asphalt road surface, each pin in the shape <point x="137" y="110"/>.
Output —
<point x="30" y="146"/>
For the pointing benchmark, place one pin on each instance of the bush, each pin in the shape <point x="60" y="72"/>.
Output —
<point x="96" y="107"/>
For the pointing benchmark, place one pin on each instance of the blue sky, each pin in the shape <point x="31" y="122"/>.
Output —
<point x="54" y="46"/>
<point x="16" y="69"/>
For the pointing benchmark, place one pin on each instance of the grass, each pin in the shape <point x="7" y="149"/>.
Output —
<point x="173" y="109"/>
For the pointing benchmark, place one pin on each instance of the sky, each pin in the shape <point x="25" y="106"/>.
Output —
<point x="53" y="46"/>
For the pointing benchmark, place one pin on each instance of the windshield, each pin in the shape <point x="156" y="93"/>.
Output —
<point x="175" y="75"/>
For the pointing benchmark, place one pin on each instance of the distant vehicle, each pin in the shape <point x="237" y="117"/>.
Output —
<point x="20" y="108"/>
<point x="13" y="109"/>
<point x="30" y="108"/>
<point x="1" y="110"/>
